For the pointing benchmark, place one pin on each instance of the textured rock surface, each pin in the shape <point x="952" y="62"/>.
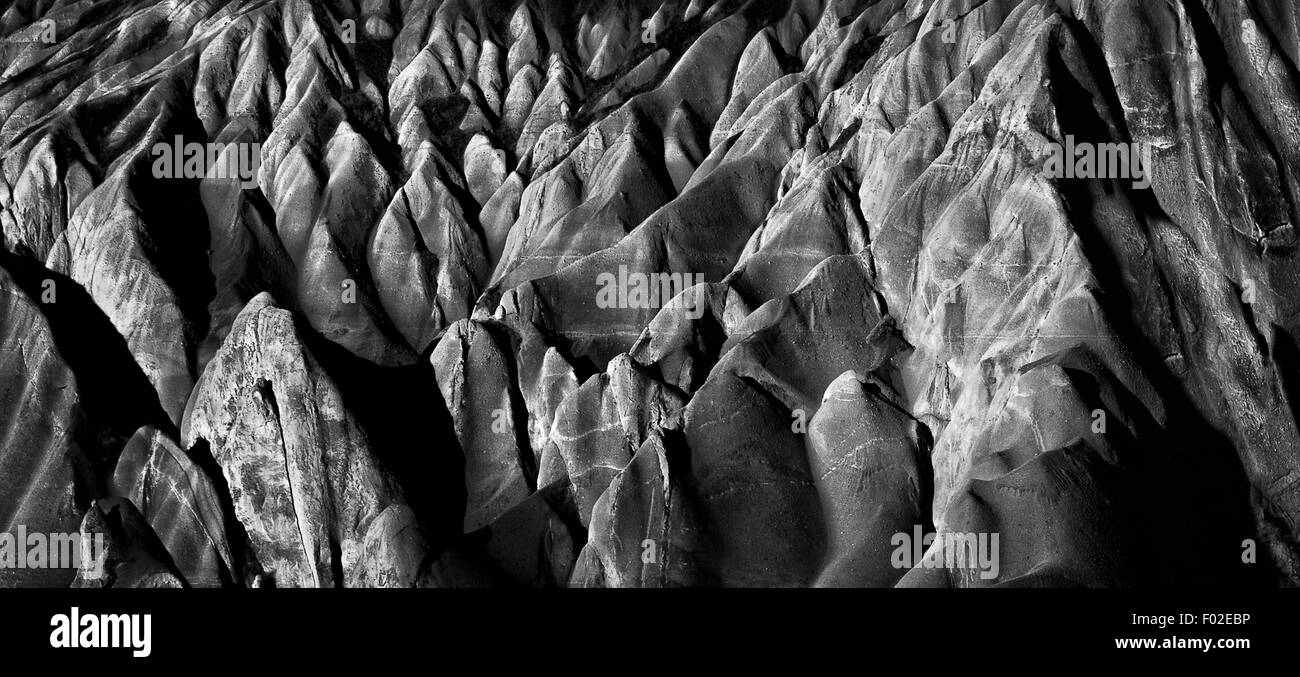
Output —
<point x="651" y="294"/>
<point x="132" y="556"/>
<point x="184" y="506"/>
<point x="474" y="375"/>
<point x="304" y="481"/>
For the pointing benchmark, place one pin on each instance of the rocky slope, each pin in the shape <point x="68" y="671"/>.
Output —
<point x="646" y="294"/>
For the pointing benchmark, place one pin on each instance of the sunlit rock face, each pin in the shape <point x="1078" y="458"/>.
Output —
<point x="832" y="293"/>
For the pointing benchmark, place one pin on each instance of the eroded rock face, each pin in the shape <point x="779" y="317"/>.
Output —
<point x="474" y="375"/>
<point x="650" y="295"/>
<point x="125" y="552"/>
<point x="868" y="459"/>
<point x="318" y="508"/>
<point x="69" y="391"/>
<point x="47" y="472"/>
<point x="183" y="505"/>
<point x="600" y="426"/>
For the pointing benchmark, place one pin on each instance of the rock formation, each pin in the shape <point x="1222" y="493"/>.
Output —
<point x="834" y="293"/>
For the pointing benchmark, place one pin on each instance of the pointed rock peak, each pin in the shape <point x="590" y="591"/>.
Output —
<point x="124" y="551"/>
